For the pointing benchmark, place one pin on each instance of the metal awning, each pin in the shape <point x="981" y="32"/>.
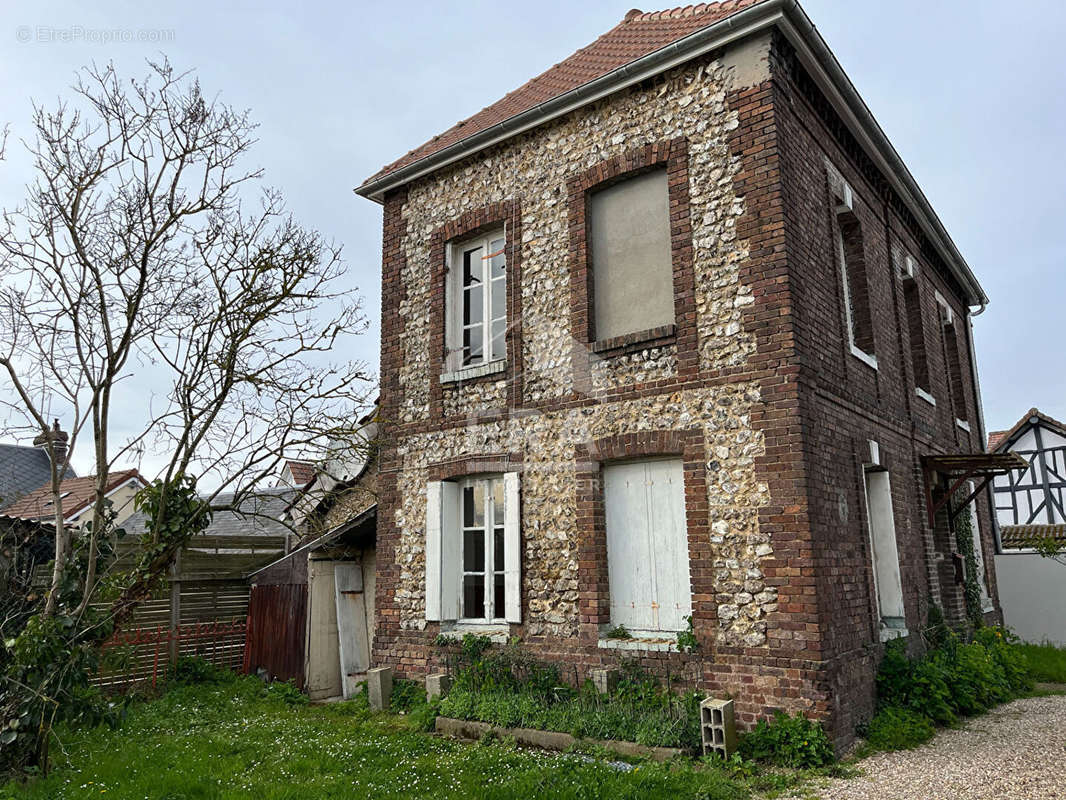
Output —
<point x="959" y="468"/>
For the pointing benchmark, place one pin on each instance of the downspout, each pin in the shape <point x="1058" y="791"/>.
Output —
<point x="981" y="419"/>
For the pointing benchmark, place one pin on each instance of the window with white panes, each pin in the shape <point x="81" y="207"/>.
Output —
<point x="482" y="511"/>
<point x="478" y="311"/>
<point x="473" y="550"/>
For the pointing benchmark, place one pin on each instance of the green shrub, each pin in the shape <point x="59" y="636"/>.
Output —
<point x="788" y="741"/>
<point x="955" y="679"/>
<point x="287" y="693"/>
<point x="193" y="670"/>
<point x="898" y="729"/>
<point x="407" y="695"/>
<point x="686" y="639"/>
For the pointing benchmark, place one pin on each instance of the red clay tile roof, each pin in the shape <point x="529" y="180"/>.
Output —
<point x="994" y="438"/>
<point x="635" y="36"/>
<point x="1019" y="536"/>
<point x="79" y="493"/>
<point x="303" y="472"/>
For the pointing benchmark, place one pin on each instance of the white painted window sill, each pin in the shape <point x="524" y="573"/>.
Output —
<point x="864" y="357"/>
<point x="922" y="393"/>
<point x="658" y="645"/>
<point x="888" y="634"/>
<point x="498" y="633"/>
<point x="468" y="373"/>
<point x="963" y="424"/>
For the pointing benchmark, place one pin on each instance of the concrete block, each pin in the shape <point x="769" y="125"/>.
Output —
<point x="379" y="687"/>
<point x="438" y="685"/>
<point x="718" y="727"/>
<point x="605" y="679"/>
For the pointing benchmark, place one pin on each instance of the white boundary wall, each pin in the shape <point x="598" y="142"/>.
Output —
<point x="1032" y="592"/>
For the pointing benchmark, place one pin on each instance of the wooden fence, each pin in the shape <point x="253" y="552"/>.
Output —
<point x="202" y="612"/>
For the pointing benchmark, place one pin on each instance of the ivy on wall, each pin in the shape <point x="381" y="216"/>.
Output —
<point x="963" y="525"/>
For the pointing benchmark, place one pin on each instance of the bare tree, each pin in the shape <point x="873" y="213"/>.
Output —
<point x="147" y="262"/>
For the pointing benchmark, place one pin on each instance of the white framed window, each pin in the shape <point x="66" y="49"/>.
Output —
<point x="473" y="550"/>
<point x="888" y="583"/>
<point x="851" y="259"/>
<point x="647" y="545"/>
<point x="476" y="319"/>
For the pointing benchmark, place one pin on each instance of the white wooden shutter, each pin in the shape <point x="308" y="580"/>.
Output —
<point x="630" y="565"/>
<point x="442" y="551"/>
<point x="668" y="532"/>
<point x="647" y="545"/>
<point x="512" y="548"/>
<point x="451" y="535"/>
<point x="433" y="545"/>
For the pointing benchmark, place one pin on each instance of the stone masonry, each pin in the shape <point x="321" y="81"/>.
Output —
<point x="751" y="387"/>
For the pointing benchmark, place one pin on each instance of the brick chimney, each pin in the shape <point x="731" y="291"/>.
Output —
<point x="58" y="438"/>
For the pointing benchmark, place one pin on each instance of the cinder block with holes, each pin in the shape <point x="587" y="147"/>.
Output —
<point x="718" y="727"/>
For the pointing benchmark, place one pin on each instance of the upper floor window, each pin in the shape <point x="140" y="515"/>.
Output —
<point x="630" y="253"/>
<point x="953" y="360"/>
<point x="852" y="259"/>
<point x="912" y="304"/>
<point x="476" y="317"/>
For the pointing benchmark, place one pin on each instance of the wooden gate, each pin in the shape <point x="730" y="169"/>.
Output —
<point x="277" y="627"/>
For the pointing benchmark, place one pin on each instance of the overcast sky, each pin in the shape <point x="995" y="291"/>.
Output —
<point x="970" y="93"/>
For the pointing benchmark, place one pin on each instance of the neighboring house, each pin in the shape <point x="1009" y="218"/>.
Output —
<point x="670" y="333"/>
<point x="1031" y="507"/>
<point x="311" y="614"/>
<point x="236" y="541"/>
<point x="25" y="469"/>
<point x="77" y="495"/>
<point x="296" y="474"/>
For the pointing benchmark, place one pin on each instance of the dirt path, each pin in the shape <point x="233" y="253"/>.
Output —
<point x="1017" y="751"/>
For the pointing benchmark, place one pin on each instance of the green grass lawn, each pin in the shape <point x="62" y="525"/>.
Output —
<point x="234" y="741"/>
<point x="1047" y="663"/>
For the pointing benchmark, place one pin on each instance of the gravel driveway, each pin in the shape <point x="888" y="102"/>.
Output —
<point x="1017" y="751"/>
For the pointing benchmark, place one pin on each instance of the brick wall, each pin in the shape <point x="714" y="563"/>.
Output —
<point x="756" y="387"/>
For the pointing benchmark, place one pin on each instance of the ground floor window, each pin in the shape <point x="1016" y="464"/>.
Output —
<point x="647" y="545"/>
<point x="473" y="550"/>
<point x="884" y="550"/>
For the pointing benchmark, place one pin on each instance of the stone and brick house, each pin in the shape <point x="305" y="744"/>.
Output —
<point x="671" y="332"/>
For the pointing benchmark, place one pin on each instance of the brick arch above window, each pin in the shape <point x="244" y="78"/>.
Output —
<point x="506" y="214"/>
<point x="671" y="155"/>
<point x="593" y="575"/>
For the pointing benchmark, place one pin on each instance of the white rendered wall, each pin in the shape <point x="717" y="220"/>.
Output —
<point x="1032" y="592"/>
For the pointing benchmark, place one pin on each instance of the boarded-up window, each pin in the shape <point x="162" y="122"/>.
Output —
<point x="647" y="545"/>
<point x="915" y="326"/>
<point x="884" y="549"/>
<point x="954" y="362"/>
<point x="633" y="287"/>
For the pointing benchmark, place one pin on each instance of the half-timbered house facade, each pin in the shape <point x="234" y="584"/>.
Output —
<point x="1030" y="507"/>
